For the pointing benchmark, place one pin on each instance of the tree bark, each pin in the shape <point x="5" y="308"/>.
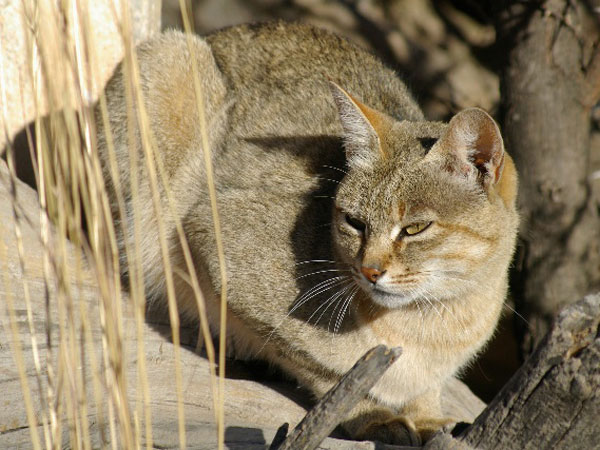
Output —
<point x="550" y="82"/>
<point x="553" y="401"/>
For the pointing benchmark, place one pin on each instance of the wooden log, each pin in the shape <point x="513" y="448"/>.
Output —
<point x="553" y="401"/>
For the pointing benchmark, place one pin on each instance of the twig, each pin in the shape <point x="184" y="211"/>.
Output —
<point x="337" y="403"/>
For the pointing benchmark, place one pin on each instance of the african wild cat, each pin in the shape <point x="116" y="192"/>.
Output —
<point x="348" y="220"/>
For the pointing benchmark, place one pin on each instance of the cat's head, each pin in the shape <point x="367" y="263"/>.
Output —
<point x="427" y="210"/>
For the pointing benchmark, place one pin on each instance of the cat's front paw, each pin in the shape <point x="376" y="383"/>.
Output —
<point x="395" y="430"/>
<point x="428" y="427"/>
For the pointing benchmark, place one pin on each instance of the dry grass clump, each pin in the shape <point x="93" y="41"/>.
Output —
<point x="81" y="383"/>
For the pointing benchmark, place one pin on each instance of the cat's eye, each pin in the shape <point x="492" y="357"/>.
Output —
<point x="415" y="228"/>
<point x="355" y="223"/>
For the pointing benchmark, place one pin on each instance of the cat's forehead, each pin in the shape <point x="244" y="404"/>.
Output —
<point x="421" y="129"/>
<point x="406" y="135"/>
<point x="412" y="189"/>
<point x="406" y="142"/>
<point x="406" y="187"/>
<point x="425" y="188"/>
<point x="403" y="183"/>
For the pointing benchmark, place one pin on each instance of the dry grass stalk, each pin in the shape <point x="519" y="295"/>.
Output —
<point x="219" y="407"/>
<point x="71" y="191"/>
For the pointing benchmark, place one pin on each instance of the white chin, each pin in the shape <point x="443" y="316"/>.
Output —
<point x="390" y="301"/>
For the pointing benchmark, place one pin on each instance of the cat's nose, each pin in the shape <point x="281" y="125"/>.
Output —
<point x="372" y="274"/>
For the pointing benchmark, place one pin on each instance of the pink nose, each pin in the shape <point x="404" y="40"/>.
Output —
<point x="371" y="273"/>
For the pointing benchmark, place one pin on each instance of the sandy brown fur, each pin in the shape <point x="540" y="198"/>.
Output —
<point x="282" y="102"/>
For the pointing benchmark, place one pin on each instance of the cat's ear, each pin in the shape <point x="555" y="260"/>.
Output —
<point x="472" y="147"/>
<point x="361" y="126"/>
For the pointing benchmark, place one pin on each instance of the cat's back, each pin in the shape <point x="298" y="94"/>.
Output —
<point x="279" y="72"/>
<point x="282" y="122"/>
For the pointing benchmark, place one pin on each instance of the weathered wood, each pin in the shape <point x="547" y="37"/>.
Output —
<point x="444" y="441"/>
<point x="549" y="85"/>
<point x="53" y="21"/>
<point x="553" y="401"/>
<point x="335" y="405"/>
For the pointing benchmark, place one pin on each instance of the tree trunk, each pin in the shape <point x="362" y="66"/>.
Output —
<point x="550" y="82"/>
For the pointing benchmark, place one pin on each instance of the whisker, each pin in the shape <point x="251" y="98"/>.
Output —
<point x="341" y="313"/>
<point x="311" y="293"/>
<point x="413" y="292"/>
<point x="322" y="271"/>
<point x="329" y="179"/>
<point x="316" y="290"/>
<point x="453" y="276"/>
<point x="403" y="280"/>
<point x="447" y="272"/>
<point x="422" y="319"/>
<point x="426" y="297"/>
<point x="336" y="168"/>
<point x="455" y="317"/>
<point x="340" y="318"/>
<point x="329" y="302"/>
<point x="350" y="291"/>
<point x="323" y="196"/>
<point x="326" y="304"/>
<point x="308" y="261"/>
<point x="464" y="327"/>
<point x="341" y="303"/>
<point x="515" y="311"/>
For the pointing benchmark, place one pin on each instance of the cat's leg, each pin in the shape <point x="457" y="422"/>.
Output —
<point x="425" y="414"/>
<point x="370" y="421"/>
<point x="414" y="424"/>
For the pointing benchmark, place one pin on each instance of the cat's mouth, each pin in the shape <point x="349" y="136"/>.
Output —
<point x="382" y="295"/>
